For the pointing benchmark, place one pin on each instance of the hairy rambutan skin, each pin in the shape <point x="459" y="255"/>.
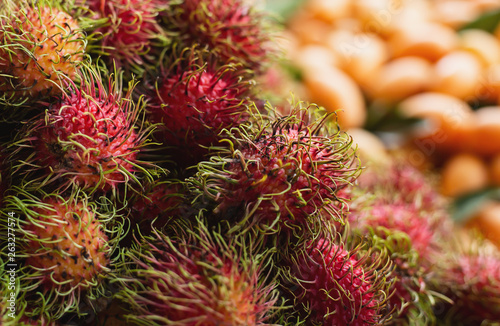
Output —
<point x="130" y="33"/>
<point x="333" y="284"/>
<point x="194" y="100"/>
<point x="90" y="138"/>
<point x="281" y="176"/>
<point x="39" y="46"/>
<point x="400" y="217"/>
<point x="232" y="29"/>
<point x="472" y="280"/>
<point x="66" y="247"/>
<point x="195" y="278"/>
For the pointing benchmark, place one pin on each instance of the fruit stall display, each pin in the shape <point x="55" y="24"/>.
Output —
<point x="204" y="162"/>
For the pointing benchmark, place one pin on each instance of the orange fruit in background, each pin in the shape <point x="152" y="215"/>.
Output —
<point x="337" y="92"/>
<point x="487" y="221"/>
<point x="427" y="40"/>
<point x="457" y="74"/>
<point x="401" y="78"/>
<point x="369" y="146"/>
<point x="495" y="170"/>
<point x="486" y="133"/>
<point x="462" y="174"/>
<point x="482" y="44"/>
<point x="449" y="122"/>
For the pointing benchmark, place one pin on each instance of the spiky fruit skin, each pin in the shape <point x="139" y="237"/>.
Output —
<point x="88" y="138"/>
<point x="38" y="45"/>
<point x="193" y="104"/>
<point x="64" y="245"/>
<point x="230" y="28"/>
<point x="76" y="251"/>
<point x="472" y="281"/>
<point x="190" y="281"/>
<point x="334" y="287"/>
<point x="280" y="177"/>
<point x="129" y="35"/>
<point x="403" y="183"/>
<point x="400" y="217"/>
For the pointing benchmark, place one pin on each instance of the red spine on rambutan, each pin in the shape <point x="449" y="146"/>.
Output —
<point x="232" y="29"/>
<point x="334" y="285"/>
<point x="194" y="101"/>
<point x="281" y="176"/>
<point x="91" y="137"/>
<point x="195" y="279"/>
<point x="39" y="46"/>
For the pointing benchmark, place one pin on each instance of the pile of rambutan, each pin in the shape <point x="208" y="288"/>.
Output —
<point x="145" y="180"/>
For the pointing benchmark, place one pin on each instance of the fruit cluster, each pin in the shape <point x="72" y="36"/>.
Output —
<point x="435" y="62"/>
<point x="147" y="180"/>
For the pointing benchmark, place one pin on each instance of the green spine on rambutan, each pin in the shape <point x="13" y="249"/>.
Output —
<point x="189" y="275"/>
<point x="40" y="46"/>
<point x="90" y="138"/>
<point x="413" y="300"/>
<point x="65" y="246"/>
<point x="279" y="173"/>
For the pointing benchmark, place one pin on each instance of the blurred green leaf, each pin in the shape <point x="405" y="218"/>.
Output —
<point x="283" y="8"/>
<point x="487" y="22"/>
<point x="466" y="206"/>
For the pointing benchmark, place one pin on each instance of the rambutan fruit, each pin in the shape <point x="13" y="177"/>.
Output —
<point x="399" y="181"/>
<point x="39" y="46"/>
<point x="282" y="175"/>
<point x="195" y="278"/>
<point x="161" y="198"/>
<point x="332" y="283"/>
<point x="91" y="138"/>
<point x="412" y="300"/>
<point x="194" y="101"/>
<point x="233" y="29"/>
<point x="66" y="247"/>
<point x="400" y="217"/>
<point x="471" y="278"/>
<point x="131" y="31"/>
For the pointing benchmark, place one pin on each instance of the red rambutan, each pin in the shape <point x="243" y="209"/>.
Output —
<point x="472" y="280"/>
<point x="131" y="31"/>
<point x="232" y="29"/>
<point x="281" y="176"/>
<point x="195" y="279"/>
<point x="400" y="217"/>
<point x="194" y="101"/>
<point x="334" y="285"/>
<point x="90" y="137"/>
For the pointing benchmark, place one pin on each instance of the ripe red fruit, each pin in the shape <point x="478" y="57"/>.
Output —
<point x="39" y="46"/>
<point x="283" y="176"/>
<point x="131" y="31"/>
<point x="472" y="281"/>
<point x="195" y="279"/>
<point x="332" y="285"/>
<point x="193" y="103"/>
<point x="89" y="137"/>
<point x="400" y="217"/>
<point x="230" y="28"/>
